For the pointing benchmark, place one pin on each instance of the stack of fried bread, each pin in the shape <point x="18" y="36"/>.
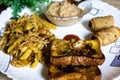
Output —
<point x="77" y="60"/>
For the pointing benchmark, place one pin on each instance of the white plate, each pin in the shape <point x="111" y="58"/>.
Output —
<point x="99" y="8"/>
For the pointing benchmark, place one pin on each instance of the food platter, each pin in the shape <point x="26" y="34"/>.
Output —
<point x="111" y="51"/>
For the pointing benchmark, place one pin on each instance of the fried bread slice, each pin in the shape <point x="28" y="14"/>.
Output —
<point x="74" y="73"/>
<point x="81" y="52"/>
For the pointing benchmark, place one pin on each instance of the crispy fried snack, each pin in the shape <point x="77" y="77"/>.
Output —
<point x="81" y="52"/>
<point x="74" y="73"/>
<point x="107" y="36"/>
<point x="99" y="23"/>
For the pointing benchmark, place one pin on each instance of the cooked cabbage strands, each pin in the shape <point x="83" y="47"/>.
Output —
<point x="25" y="38"/>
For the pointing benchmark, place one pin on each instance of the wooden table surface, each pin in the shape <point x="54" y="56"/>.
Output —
<point x="115" y="3"/>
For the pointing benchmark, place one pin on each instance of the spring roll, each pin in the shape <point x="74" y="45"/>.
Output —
<point x="99" y="23"/>
<point x="107" y="36"/>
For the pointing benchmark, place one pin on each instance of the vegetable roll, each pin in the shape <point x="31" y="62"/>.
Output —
<point x="99" y="23"/>
<point x="107" y="36"/>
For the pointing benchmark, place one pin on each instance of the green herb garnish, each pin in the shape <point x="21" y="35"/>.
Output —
<point x="18" y="5"/>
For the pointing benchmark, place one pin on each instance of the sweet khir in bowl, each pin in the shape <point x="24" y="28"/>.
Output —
<point x="64" y="13"/>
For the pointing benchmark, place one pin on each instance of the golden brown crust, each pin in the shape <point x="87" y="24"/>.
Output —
<point x="107" y="36"/>
<point x="79" y="77"/>
<point x="70" y="76"/>
<point x="100" y="23"/>
<point x="77" y="60"/>
<point x="74" y="73"/>
<point x="81" y="52"/>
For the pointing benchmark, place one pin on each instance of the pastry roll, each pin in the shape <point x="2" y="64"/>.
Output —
<point x="107" y="36"/>
<point x="99" y="23"/>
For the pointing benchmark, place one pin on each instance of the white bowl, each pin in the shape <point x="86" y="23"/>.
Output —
<point x="66" y="21"/>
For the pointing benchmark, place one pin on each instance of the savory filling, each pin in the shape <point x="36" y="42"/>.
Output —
<point x="59" y="71"/>
<point x="78" y="48"/>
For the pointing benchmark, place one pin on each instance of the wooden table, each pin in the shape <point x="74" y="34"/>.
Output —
<point x="115" y="3"/>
